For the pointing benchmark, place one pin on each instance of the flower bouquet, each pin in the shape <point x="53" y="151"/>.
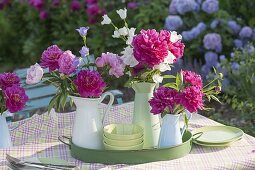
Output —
<point x="73" y="78"/>
<point x="186" y="93"/>
<point x="13" y="99"/>
<point x="147" y="54"/>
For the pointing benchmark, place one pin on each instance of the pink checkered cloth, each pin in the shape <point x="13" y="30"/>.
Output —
<point x="38" y="137"/>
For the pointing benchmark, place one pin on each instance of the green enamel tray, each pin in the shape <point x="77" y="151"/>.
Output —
<point x="132" y="157"/>
<point x="216" y="135"/>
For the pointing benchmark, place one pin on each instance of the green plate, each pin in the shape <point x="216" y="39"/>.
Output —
<point x="216" y="135"/>
<point x="132" y="156"/>
<point x="216" y="145"/>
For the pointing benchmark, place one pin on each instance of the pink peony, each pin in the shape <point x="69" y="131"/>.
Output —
<point x="50" y="58"/>
<point x="34" y="74"/>
<point x="8" y="80"/>
<point x="150" y="47"/>
<point x="192" y="99"/>
<point x="89" y="83"/>
<point x="15" y="98"/>
<point x="192" y="78"/>
<point x="117" y="66"/>
<point x="66" y="63"/>
<point x="163" y="98"/>
<point x="176" y="48"/>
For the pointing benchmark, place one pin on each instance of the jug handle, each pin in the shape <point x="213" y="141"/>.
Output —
<point x="189" y="115"/>
<point x="109" y="105"/>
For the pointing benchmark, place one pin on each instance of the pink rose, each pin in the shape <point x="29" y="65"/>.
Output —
<point x="34" y="74"/>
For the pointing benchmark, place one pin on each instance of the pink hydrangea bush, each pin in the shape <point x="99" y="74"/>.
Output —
<point x="12" y="96"/>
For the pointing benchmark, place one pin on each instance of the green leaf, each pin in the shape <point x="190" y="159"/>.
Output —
<point x="171" y="85"/>
<point x="179" y="81"/>
<point x="209" y="89"/>
<point x="215" y="98"/>
<point x="186" y="120"/>
<point x="169" y="77"/>
<point x="52" y="103"/>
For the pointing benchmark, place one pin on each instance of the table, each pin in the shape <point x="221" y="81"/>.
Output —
<point x="38" y="137"/>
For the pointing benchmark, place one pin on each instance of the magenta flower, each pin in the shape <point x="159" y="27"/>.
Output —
<point x="89" y="83"/>
<point x="132" y="5"/>
<point x="150" y="47"/>
<point x="15" y="98"/>
<point x="176" y="48"/>
<point x="192" y="78"/>
<point x="8" y="80"/>
<point x="93" y="10"/>
<point x="164" y="98"/>
<point x="89" y="2"/>
<point x="75" y="5"/>
<point x="192" y="99"/>
<point x="50" y="58"/>
<point x="67" y="62"/>
<point x="44" y="15"/>
<point x="38" y="4"/>
<point x="117" y="66"/>
<point x="55" y="3"/>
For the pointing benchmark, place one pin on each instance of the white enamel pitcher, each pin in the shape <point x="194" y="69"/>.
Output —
<point x="88" y="124"/>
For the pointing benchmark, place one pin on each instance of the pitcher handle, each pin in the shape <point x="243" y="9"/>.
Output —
<point x="189" y="115"/>
<point x="109" y="105"/>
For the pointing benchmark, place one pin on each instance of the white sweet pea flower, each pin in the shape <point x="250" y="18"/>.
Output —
<point x="128" y="57"/>
<point x="123" y="31"/>
<point x="162" y="67"/>
<point x="116" y="34"/>
<point x="129" y="40"/>
<point x="34" y="74"/>
<point x="157" y="78"/>
<point x="106" y="20"/>
<point x="169" y="58"/>
<point x="174" y="37"/>
<point x="122" y="13"/>
<point x="131" y="32"/>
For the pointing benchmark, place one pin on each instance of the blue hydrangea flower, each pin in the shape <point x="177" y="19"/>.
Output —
<point x="210" y="6"/>
<point x="214" y="24"/>
<point x="211" y="58"/>
<point x="194" y="32"/>
<point x="253" y="34"/>
<point x="212" y="41"/>
<point x="246" y="32"/>
<point x="206" y="69"/>
<point x="238" y="43"/>
<point x="187" y="36"/>
<point x="184" y="6"/>
<point x="222" y="57"/>
<point x="234" y="26"/>
<point x="235" y="66"/>
<point x="173" y="22"/>
<point x="173" y="7"/>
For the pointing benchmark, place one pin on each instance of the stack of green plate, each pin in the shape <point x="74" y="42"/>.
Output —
<point x="216" y="136"/>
